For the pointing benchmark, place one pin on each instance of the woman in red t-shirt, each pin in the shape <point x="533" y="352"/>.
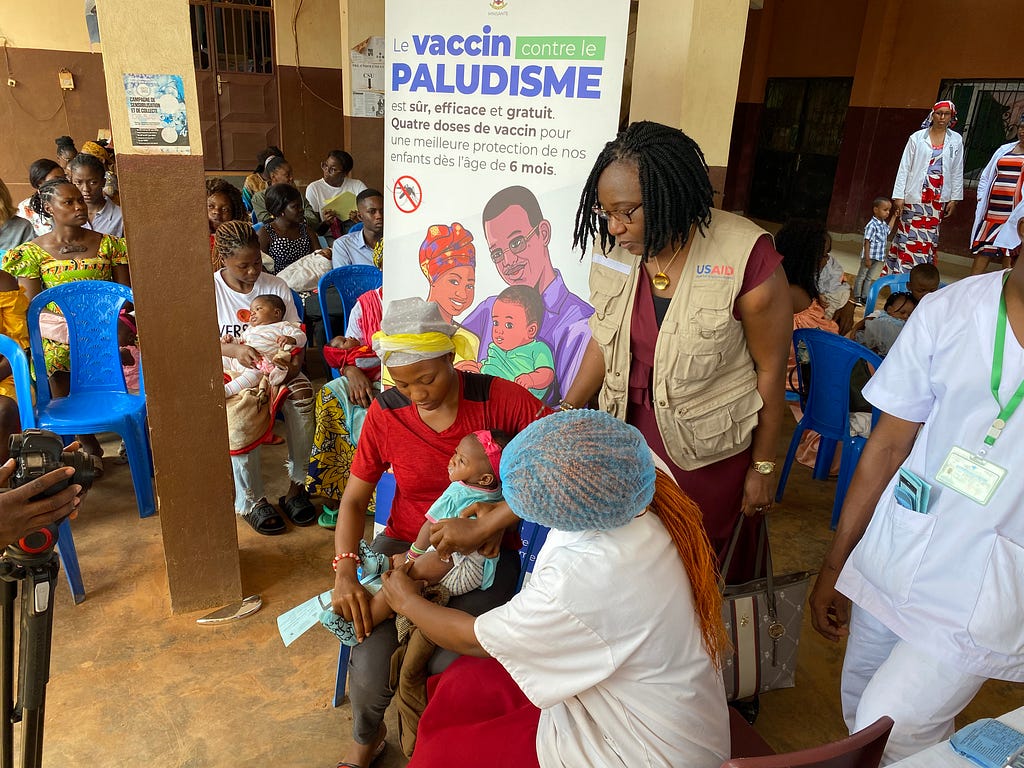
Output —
<point x="414" y="428"/>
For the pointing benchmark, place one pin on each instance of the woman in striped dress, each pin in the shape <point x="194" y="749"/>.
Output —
<point x="999" y="192"/>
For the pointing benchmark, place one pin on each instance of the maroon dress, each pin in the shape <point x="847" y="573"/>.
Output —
<point x="716" y="488"/>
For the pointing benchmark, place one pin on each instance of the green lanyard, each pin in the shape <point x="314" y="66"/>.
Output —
<point x="1005" y="412"/>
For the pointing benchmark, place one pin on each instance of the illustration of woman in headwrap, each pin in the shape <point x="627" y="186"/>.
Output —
<point x="448" y="261"/>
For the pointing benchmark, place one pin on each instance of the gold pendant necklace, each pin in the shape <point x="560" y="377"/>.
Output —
<point x="661" y="281"/>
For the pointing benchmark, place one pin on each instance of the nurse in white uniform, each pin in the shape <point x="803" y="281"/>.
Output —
<point x="930" y="545"/>
<point x="615" y="638"/>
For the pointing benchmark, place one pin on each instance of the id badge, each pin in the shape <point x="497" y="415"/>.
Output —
<point x="970" y="475"/>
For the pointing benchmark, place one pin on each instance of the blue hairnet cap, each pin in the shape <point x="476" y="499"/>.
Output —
<point x="578" y="471"/>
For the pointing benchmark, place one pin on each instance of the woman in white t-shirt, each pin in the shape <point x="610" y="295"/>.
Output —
<point x="336" y="168"/>
<point x="609" y="655"/>
<point x="240" y="280"/>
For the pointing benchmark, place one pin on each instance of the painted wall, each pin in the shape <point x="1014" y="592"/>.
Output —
<point x="56" y="25"/>
<point x="309" y="71"/>
<point x="686" y="68"/>
<point x="364" y="136"/>
<point x="35" y="111"/>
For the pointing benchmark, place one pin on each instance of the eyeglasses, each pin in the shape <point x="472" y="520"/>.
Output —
<point x="623" y="217"/>
<point x="516" y="245"/>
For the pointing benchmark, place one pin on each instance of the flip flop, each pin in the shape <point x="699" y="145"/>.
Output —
<point x="299" y="509"/>
<point x="264" y="519"/>
<point x="373" y="758"/>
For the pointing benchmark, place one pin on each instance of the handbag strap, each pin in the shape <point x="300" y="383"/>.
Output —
<point x="763" y="545"/>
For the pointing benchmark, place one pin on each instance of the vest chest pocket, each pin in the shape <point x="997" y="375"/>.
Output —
<point x="606" y="286"/>
<point x="711" y="311"/>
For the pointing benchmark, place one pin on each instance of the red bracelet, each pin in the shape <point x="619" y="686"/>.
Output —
<point x="339" y="557"/>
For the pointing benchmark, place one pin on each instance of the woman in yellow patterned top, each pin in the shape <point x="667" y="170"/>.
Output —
<point x="67" y="254"/>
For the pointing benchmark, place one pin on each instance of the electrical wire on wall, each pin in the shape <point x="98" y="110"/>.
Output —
<point x="298" y="64"/>
<point x="13" y="90"/>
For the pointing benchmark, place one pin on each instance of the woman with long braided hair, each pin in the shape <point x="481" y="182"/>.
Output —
<point x="611" y="652"/>
<point x="691" y="327"/>
<point x="240" y="280"/>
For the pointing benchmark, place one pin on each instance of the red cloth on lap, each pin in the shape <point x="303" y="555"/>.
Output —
<point x="477" y="715"/>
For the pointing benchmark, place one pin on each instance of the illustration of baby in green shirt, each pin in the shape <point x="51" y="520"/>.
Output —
<point x="515" y="353"/>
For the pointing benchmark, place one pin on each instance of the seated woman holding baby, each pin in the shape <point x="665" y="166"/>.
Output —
<point x="414" y="428"/>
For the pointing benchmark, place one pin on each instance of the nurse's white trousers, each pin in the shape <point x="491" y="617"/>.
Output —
<point x="884" y="675"/>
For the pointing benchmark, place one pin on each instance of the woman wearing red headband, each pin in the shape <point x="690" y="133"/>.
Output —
<point x="929" y="184"/>
<point x="448" y="261"/>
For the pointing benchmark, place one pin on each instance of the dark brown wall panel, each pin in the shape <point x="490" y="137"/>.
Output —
<point x="366" y="144"/>
<point x="746" y="126"/>
<point x="309" y="127"/>
<point x="32" y="115"/>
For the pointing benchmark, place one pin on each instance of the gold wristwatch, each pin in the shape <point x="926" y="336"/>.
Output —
<point x="764" y="467"/>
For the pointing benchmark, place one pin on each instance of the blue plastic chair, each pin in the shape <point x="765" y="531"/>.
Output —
<point x="827" y="410"/>
<point x="23" y="391"/>
<point x="895" y="283"/>
<point x="297" y="300"/>
<point x="385" y="498"/>
<point x="98" y="399"/>
<point x="350" y="282"/>
<point x="256" y="225"/>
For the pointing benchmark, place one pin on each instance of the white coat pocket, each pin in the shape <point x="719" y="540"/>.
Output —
<point x="896" y="550"/>
<point x="998" y="619"/>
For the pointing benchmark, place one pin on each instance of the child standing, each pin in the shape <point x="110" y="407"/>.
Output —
<point x="875" y="234"/>
<point x="473" y="470"/>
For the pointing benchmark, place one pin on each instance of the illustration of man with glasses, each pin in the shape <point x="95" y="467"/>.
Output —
<point x="518" y="235"/>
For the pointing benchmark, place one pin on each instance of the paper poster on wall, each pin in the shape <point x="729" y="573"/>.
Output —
<point x="495" y="114"/>
<point x="367" y="60"/>
<point x="156" y="113"/>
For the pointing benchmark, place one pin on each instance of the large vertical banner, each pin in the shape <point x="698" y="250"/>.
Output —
<point x="495" y="113"/>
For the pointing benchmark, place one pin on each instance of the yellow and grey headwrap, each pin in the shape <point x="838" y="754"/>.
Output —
<point x="412" y="330"/>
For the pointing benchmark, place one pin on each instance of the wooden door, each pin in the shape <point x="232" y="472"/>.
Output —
<point x="233" y="49"/>
<point x="798" y="150"/>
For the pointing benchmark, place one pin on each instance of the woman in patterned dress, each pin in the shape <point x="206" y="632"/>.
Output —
<point x="929" y="184"/>
<point x="68" y="253"/>
<point x="999" y="192"/>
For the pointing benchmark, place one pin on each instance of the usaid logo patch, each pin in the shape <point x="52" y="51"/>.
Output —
<point x="715" y="270"/>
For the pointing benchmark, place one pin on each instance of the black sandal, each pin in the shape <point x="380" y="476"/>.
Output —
<point x="264" y="519"/>
<point x="299" y="509"/>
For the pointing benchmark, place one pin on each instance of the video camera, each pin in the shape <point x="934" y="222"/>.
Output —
<point x="37" y="452"/>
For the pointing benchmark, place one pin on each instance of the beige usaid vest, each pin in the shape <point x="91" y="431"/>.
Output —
<point x="705" y="387"/>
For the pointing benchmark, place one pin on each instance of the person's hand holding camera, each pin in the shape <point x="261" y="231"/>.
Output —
<point x="19" y="516"/>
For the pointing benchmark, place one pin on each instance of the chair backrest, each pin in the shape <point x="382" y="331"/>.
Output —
<point x="299" y="306"/>
<point x="895" y="284"/>
<point x="350" y="282"/>
<point x="833" y="357"/>
<point x="22" y="380"/>
<point x="91" y="309"/>
<point x="861" y="750"/>
<point x="533" y="535"/>
<point x="358" y="227"/>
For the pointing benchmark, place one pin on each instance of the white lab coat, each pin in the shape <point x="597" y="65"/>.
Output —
<point x="950" y="581"/>
<point x="985" y="189"/>
<point x="917" y="156"/>
<point x="605" y="641"/>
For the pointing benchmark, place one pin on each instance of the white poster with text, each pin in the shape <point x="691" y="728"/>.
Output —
<point x="495" y="112"/>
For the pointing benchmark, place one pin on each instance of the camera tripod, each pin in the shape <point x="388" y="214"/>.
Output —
<point x="32" y="561"/>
